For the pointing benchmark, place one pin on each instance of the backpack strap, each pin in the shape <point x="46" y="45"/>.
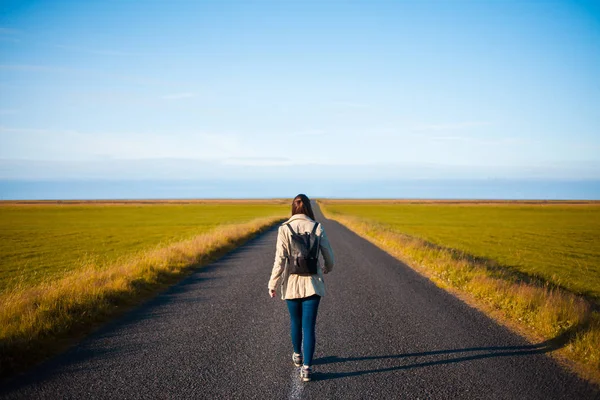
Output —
<point x="314" y="229"/>
<point x="291" y="229"/>
<point x="314" y="249"/>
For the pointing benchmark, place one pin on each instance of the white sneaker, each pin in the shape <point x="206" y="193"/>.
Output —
<point x="297" y="359"/>
<point x="305" y="373"/>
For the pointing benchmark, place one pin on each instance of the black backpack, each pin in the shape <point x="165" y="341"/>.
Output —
<point x="304" y="252"/>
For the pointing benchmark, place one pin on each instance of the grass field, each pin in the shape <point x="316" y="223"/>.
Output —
<point x="45" y="241"/>
<point x="557" y="242"/>
<point x="68" y="267"/>
<point x="534" y="266"/>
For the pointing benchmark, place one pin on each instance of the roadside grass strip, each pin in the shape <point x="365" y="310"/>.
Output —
<point x="535" y="307"/>
<point x="37" y="321"/>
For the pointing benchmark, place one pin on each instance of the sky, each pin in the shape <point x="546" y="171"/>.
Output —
<point x="328" y="90"/>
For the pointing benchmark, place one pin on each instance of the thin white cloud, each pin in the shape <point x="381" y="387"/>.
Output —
<point x="349" y="104"/>
<point x="9" y="31"/>
<point x="36" y="68"/>
<point x="309" y="132"/>
<point x="258" y="161"/>
<point x="179" y="96"/>
<point x="26" y="131"/>
<point x="9" y="35"/>
<point x="9" y="39"/>
<point x="135" y="79"/>
<point x="450" y="126"/>
<point x="102" y="52"/>
<point x="477" y="140"/>
<point x="69" y="145"/>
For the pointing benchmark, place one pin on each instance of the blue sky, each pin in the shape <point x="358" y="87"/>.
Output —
<point x="337" y="90"/>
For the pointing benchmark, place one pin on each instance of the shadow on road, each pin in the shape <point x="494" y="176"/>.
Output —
<point x="484" y="352"/>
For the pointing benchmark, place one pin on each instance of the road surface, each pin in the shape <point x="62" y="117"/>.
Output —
<point x="383" y="331"/>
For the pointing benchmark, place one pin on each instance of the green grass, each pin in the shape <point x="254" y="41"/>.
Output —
<point x="68" y="268"/>
<point x="559" y="243"/>
<point x="41" y="242"/>
<point x="556" y="243"/>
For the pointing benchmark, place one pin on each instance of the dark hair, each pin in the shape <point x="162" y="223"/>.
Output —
<point x="301" y="205"/>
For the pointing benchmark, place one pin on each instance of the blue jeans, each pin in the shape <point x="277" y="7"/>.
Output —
<point x="303" y="317"/>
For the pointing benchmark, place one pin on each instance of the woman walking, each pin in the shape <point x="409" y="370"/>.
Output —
<point x="299" y="276"/>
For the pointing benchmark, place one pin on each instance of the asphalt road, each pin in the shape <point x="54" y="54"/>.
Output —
<point x="383" y="331"/>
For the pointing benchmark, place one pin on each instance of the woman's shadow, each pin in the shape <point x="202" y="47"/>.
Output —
<point x="483" y="352"/>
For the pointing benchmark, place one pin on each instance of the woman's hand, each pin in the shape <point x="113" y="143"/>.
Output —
<point x="272" y="293"/>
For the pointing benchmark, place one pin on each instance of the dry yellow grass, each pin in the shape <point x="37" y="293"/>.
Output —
<point x="535" y="308"/>
<point x="36" y="321"/>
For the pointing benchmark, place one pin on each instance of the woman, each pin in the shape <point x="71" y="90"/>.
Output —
<point x="301" y="290"/>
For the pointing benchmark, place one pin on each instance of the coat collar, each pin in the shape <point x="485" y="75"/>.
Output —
<point x="300" y="216"/>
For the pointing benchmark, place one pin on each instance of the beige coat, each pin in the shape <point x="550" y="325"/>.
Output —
<point x="295" y="286"/>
